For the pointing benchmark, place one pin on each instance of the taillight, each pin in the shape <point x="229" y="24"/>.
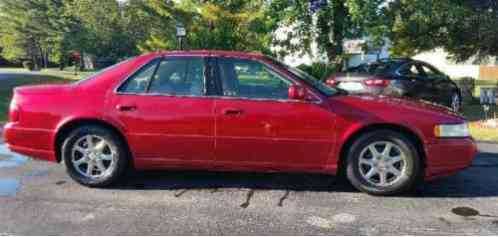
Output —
<point x="14" y="111"/>
<point x="377" y="82"/>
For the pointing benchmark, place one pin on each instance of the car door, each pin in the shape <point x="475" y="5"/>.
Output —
<point x="442" y="86"/>
<point x="167" y="117"/>
<point x="257" y="126"/>
<point x="415" y="83"/>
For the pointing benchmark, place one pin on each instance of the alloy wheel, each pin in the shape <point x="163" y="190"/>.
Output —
<point x="382" y="163"/>
<point x="93" y="157"/>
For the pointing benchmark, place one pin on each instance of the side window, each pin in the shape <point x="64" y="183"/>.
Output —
<point x="140" y="80"/>
<point x="251" y="79"/>
<point x="179" y="76"/>
<point x="410" y="70"/>
<point x="430" y="72"/>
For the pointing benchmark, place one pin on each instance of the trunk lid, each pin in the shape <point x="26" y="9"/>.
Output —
<point x="43" y="89"/>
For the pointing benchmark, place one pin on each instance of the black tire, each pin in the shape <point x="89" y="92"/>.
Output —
<point x="112" y="139"/>
<point x="406" y="181"/>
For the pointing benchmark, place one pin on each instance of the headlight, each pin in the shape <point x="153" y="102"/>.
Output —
<point x="452" y="130"/>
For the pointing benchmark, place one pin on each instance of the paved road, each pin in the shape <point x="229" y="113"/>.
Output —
<point x="38" y="198"/>
<point x="7" y="75"/>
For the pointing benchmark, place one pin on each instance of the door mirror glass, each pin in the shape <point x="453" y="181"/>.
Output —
<point x="297" y="93"/>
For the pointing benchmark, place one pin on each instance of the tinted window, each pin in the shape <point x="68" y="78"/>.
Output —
<point x="140" y="80"/>
<point x="410" y="70"/>
<point x="375" y="68"/>
<point x="102" y="71"/>
<point x="179" y="76"/>
<point x="430" y="72"/>
<point x="251" y="79"/>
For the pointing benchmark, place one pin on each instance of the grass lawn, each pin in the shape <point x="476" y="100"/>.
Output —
<point x="473" y="111"/>
<point x="475" y="114"/>
<point x="483" y="133"/>
<point x="19" y="76"/>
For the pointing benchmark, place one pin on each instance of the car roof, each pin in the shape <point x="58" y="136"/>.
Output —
<point x="214" y="53"/>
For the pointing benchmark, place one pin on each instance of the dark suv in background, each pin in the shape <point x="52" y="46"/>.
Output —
<point x="400" y="77"/>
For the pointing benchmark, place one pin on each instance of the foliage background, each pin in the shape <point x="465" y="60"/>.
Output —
<point x="49" y="31"/>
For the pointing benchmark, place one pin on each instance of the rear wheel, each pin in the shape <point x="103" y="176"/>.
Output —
<point x="94" y="156"/>
<point x="383" y="162"/>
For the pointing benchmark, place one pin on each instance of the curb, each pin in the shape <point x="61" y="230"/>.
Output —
<point x="482" y="142"/>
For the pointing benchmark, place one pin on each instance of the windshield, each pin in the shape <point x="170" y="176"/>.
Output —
<point x="97" y="73"/>
<point x="308" y="79"/>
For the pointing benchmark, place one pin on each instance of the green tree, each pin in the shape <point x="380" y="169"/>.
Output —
<point x="227" y="25"/>
<point x="464" y="28"/>
<point x="104" y="30"/>
<point x="326" y="23"/>
<point x="29" y="29"/>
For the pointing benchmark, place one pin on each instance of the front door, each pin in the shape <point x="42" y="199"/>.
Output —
<point x="415" y="82"/>
<point x="258" y="126"/>
<point x="168" y="119"/>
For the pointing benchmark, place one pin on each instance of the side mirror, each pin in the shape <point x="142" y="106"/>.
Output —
<point x="297" y="93"/>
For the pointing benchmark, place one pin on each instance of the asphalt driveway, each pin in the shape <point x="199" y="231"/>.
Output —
<point x="39" y="198"/>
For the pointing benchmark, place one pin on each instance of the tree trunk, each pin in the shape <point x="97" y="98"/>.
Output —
<point x="337" y="38"/>
<point x="82" y="61"/>
<point x="41" y="58"/>
<point x="330" y="24"/>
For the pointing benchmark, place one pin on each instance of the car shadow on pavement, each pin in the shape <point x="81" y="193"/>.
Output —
<point x="180" y="180"/>
<point x="479" y="180"/>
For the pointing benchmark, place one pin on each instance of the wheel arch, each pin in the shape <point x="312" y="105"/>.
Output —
<point x="69" y="126"/>
<point x="410" y="134"/>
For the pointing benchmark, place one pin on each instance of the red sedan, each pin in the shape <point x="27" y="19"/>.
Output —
<point x="233" y="111"/>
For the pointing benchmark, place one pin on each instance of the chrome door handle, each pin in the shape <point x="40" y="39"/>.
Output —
<point x="126" y="108"/>
<point x="232" y="112"/>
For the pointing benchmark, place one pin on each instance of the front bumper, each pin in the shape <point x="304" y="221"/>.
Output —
<point x="448" y="156"/>
<point x="36" y="143"/>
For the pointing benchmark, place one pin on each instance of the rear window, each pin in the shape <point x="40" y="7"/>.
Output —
<point x="102" y="71"/>
<point x="374" y="68"/>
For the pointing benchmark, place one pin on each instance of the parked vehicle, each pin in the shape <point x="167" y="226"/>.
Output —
<point x="233" y="111"/>
<point x="400" y="77"/>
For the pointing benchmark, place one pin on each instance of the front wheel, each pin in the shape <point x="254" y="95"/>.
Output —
<point x="94" y="156"/>
<point x="383" y="162"/>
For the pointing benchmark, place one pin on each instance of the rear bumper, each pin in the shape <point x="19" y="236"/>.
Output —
<point x="449" y="156"/>
<point x="36" y="143"/>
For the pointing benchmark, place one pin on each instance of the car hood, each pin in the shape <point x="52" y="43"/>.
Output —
<point x="384" y="106"/>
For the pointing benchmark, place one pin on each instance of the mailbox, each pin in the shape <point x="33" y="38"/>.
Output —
<point x="488" y="95"/>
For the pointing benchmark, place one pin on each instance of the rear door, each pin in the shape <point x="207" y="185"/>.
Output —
<point x="415" y="82"/>
<point x="167" y="117"/>
<point x="257" y="126"/>
<point x="442" y="86"/>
